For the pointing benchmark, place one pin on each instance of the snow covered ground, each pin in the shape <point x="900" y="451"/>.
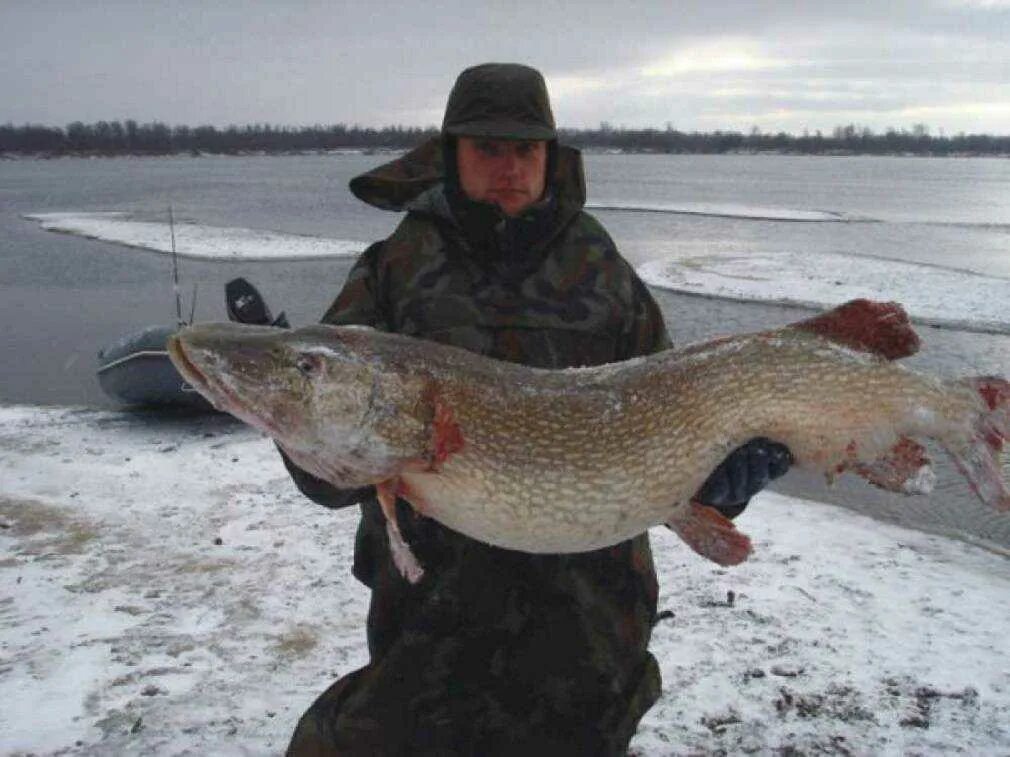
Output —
<point x="196" y="240"/>
<point x="931" y="294"/>
<point x="168" y="591"/>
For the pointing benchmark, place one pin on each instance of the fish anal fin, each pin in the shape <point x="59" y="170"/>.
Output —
<point x="711" y="534"/>
<point x="994" y="391"/>
<point x="403" y="558"/>
<point x="981" y="460"/>
<point x="880" y="328"/>
<point x="905" y="468"/>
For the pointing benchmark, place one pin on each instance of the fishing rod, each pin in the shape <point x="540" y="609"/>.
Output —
<point x="175" y="270"/>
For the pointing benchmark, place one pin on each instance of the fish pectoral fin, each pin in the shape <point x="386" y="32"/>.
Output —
<point x="403" y="558"/>
<point x="711" y="534"/>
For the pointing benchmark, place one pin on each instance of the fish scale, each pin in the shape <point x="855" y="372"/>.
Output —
<point x="640" y="462"/>
<point x="556" y="461"/>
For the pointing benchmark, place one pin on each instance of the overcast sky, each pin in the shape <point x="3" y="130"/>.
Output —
<point x="704" y="65"/>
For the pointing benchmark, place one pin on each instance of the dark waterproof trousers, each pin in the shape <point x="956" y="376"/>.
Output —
<point x="509" y="656"/>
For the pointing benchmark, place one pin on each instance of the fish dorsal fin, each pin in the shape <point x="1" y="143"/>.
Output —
<point x="880" y="328"/>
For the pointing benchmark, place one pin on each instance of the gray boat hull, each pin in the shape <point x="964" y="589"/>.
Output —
<point x="136" y="370"/>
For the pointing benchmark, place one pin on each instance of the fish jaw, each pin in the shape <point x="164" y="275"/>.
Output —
<point x="201" y="364"/>
<point x="242" y="370"/>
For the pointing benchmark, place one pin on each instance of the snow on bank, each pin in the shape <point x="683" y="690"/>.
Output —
<point x="167" y="590"/>
<point x="931" y="294"/>
<point x="724" y="210"/>
<point x="196" y="240"/>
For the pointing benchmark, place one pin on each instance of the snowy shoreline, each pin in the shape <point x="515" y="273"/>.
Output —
<point x="170" y="591"/>
<point x="198" y="241"/>
<point x="725" y="210"/>
<point x="931" y="294"/>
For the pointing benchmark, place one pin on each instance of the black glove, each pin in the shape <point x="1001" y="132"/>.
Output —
<point x="746" y="471"/>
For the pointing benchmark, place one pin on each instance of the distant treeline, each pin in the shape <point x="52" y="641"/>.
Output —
<point x="131" y="138"/>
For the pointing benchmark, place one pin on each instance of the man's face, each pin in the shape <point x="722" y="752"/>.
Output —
<point x="506" y="172"/>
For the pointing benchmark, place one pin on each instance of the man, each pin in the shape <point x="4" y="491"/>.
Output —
<point x="494" y="651"/>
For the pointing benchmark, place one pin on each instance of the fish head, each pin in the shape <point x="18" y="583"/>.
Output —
<point x="332" y="402"/>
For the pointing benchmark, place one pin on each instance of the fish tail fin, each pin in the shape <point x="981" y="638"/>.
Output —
<point x="982" y="458"/>
<point x="711" y="534"/>
<point x="880" y="328"/>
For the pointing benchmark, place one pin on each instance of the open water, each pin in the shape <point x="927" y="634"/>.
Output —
<point x="62" y="298"/>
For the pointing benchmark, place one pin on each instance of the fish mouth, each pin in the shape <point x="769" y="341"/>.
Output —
<point x="183" y="364"/>
<point x="222" y="396"/>
<point x="219" y="395"/>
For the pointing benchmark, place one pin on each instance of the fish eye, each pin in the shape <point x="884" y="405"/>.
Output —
<point x="308" y="364"/>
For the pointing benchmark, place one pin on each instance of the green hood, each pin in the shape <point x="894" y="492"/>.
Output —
<point x="393" y="185"/>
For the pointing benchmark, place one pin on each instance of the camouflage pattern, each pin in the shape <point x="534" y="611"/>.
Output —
<point x="494" y="652"/>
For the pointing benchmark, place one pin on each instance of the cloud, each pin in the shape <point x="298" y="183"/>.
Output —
<point x="700" y="64"/>
<point x="565" y="86"/>
<point x="976" y="4"/>
<point x="721" y="54"/>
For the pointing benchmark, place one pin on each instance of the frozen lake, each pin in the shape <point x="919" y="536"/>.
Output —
<point x="74" y="295"/>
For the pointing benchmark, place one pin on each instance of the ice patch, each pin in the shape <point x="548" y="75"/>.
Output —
<point x="724" y="210"/>
<point x="930" y="294"/>
<point x="197" y="240"/>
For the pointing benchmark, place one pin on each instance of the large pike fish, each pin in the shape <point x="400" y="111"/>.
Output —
<point x="578" y="459"/>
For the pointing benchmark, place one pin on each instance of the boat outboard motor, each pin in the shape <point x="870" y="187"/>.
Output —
<point x="246" y="305"/>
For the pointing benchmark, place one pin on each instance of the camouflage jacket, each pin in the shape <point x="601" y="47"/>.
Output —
<point x="548" y="289"/>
